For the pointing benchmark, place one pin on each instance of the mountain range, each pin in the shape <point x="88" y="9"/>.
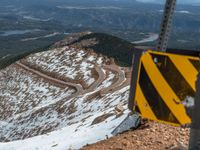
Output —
<point x="28" y="25"/>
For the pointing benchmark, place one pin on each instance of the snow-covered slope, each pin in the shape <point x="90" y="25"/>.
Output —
<point x="60" y="99"/>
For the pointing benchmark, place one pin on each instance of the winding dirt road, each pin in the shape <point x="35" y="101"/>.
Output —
<point x="101" y="78"/>
<point x="79" y="89"/>
<point x="121" y="82"/>
<point x="120" y="79"/>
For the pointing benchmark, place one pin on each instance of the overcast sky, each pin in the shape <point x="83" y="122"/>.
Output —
<point x="179" y="1"/>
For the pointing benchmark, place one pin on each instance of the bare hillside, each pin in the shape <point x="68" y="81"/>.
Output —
<point x="62" y="98"/>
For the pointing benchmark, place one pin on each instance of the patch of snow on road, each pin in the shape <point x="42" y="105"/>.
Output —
<point x="108" y="81"/>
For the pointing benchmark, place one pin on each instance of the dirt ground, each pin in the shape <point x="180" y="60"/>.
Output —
<point x="150" y="136"/>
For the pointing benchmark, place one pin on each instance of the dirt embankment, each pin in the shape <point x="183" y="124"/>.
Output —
<point x="151" y="136"/>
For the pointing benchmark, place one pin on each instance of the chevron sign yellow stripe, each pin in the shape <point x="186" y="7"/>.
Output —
<point x="165" y="83"/>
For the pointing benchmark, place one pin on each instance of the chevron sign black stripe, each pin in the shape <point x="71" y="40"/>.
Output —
<point x="166" y="87"/>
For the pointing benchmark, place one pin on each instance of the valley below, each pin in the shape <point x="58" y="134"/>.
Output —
<point x="26" y="26"/>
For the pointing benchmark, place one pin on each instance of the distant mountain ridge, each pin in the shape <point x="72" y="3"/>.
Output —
<point x="128" y="20"/>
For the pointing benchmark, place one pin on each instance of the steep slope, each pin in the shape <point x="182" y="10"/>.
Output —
<point x="62" y="98"/>
<point x="150" y="136"/>
<point x="105" y="44"/>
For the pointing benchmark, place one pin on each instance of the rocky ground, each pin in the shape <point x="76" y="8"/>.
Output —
<point x="150" y="136"/>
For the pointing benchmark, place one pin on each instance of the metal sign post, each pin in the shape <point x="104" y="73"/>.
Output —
<point x="134" y="76"/>
<point x="194" y="143"/>
<point x="166" y="25"/>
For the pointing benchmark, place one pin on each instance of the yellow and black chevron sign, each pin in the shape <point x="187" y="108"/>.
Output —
<point x="165" y="85"/>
